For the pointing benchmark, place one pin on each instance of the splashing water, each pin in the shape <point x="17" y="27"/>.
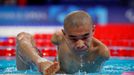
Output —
<point x="114" y="66"/>
<point x="80" y="72"/>
<point x="81" y="62"/>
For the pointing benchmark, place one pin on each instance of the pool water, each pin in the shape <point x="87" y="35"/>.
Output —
<point x="114" y="66"/>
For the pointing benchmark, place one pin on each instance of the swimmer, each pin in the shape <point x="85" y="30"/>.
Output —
<point x="77" y="49"/>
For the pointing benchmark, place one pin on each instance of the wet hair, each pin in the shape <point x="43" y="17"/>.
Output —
<point x="76" y="19"/>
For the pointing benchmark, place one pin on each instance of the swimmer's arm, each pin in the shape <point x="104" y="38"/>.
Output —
<point x="27" y="45"/>
<point x="103" y="49"/>
<point x="57" y="38"/>
<point x="54" y="39"/>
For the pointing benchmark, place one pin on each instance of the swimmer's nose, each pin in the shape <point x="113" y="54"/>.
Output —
<point x="80" y="44"/>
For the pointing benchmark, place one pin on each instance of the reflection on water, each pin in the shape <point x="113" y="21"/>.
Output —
<point x="113" y="66"/>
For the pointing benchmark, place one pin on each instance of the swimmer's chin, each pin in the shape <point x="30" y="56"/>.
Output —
<point x="80" y="52"/>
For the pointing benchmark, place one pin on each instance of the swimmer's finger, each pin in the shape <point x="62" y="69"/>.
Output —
<point x="49" y="71"/>
<point x="52" y="69"/>
<point x="56" y="66"/>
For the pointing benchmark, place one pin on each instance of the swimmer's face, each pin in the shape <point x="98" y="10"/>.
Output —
<point x="79" y="38"/>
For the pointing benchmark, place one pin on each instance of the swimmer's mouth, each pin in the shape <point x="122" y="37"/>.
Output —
<point x="81" y="50"/>
<point x="84" y="48"/>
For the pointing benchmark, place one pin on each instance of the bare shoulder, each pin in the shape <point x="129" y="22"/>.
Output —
<point x="102" y="48"/>
<point x="57" y="37"/>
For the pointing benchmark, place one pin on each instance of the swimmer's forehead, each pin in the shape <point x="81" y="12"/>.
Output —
<point x="77" y="23"/>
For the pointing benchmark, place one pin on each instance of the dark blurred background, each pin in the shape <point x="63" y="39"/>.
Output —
<point x="54" y="11"/>
<point x="128" y="3"/>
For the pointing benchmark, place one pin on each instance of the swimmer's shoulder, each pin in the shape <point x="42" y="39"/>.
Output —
<point x="102" y="49"/>
<point x="57" y="37"/>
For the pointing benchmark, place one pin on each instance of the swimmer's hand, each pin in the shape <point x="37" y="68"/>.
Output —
<point x="49" y="68"/>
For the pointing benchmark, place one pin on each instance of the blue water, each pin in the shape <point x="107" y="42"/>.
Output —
<point x="114" y="66"/>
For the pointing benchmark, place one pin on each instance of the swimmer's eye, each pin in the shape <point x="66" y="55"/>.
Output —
<point x="84" y="38"/>
<point x="74" y="40"/>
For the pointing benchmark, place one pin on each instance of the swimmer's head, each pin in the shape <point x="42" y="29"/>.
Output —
<point x="78" y="29"/>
